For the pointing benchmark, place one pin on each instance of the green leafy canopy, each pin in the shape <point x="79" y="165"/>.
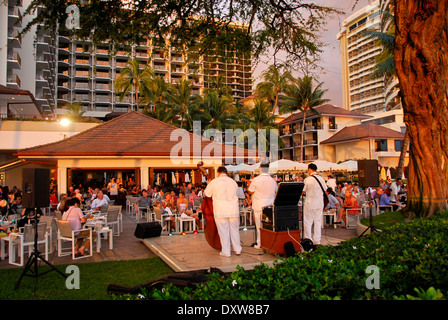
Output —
<point x="254" y="26"/>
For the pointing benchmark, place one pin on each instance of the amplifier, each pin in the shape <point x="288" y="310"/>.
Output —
<point x="148" y="230"/>
<point x="283" y="215"/>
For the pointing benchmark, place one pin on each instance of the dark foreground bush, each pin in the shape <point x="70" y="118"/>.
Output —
<point x="410" y="260"/>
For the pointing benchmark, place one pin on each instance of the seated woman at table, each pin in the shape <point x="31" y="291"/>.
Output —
<point x="168" y="215"/>
<point x="77" y="219"/>
<point x="349" y="202"/>
<point x="333" y="203"/>
<point x="183" y="207"/>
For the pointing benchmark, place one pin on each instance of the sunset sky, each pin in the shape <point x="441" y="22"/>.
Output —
<point x="331" y="57"/>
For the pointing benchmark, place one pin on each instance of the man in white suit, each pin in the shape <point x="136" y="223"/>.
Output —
<point x="263" y="188"/>
<point x="223" y="191"/>
<point x="314" y="204"/>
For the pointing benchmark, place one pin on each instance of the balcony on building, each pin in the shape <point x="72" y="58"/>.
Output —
<point x="14" y="60"/>
<point x="82" y="73"/>
<point x="121" y="64"/>
<point x="82" y="61"/>
<point x="82" y="86"/>
<point x="103" y="99"/>
<point x="63" y="98"/>
<point x="14" y="40"/>
<point x="13" y="81"/>
<point x="102" y="63"/>
<point x="103" y="86"/>
<point x="177" y="58"/>
<point x="158" y="55"/>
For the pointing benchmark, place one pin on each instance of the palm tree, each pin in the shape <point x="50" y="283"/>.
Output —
<point x="216" y="111"/>
<point x="219" y="85"/>
<point x="260" y="117"/>
<point x="302" y="95"/>
<point x="385" y="67"/>
<point x="273" y="84"/>
<point x="154" y="93"/>
<point x="180" y="98"/>
<point x="75" y="110"/>
<point x="133" y="78"/>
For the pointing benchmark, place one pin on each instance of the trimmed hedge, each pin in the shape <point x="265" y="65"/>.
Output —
<point x="412" y="259"/>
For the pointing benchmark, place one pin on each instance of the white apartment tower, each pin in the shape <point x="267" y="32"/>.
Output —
<point x="28" y="63"/>
<point x="361" y="92"/>
<point x="59" y="70"/>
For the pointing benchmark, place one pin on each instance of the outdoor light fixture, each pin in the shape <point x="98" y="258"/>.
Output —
<point x="65" y="122"/>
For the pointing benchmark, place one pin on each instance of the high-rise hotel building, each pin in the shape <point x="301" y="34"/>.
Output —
<point x="29" y="63"/>
<point x="60" y="70"/>
<point x="362" y="92"/>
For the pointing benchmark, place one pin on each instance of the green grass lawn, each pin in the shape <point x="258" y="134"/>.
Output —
<point x="385" y="219"/>
<point x="94" y="279"/>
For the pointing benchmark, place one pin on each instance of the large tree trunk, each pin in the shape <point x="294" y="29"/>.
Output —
<point x="421" y="62"/>
<point x="403" y="154"/>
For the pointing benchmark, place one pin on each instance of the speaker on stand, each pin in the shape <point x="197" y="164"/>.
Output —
<point x="35" y="194"/>
<point x="368" y="177"/>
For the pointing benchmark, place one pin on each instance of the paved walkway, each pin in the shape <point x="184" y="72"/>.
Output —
<point x="182" y="252"/>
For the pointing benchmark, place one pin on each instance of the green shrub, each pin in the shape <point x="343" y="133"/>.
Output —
<point x="408" y="256"/>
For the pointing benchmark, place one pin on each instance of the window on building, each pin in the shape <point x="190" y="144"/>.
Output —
<point x="398" y="144"/>
<point x="380" y="145"/>
<point x="332" y="123"/>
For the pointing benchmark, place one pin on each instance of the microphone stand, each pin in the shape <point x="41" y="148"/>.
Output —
<point x="371" y="226"/>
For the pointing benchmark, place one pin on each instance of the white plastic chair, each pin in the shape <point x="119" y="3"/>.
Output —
<point x="26" y="239"/>
<point x="112" y="220"/>
<point x="65" y="233"/>
<point x="49" y="221"/>
<point x="130" y="205"/>
<point x="120" y="215"/>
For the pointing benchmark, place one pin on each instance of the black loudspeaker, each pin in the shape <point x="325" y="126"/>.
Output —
<point x="36" y="188"/>
<point x="283" y="215"/>
<point x="148" y="230"/>
<point x="368" y="175"/>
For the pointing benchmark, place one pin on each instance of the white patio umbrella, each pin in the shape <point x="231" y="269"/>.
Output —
<point x="350" y="165"/>
<point x="231" y="168"/>
<point x="284" y="164"/>
<point x="326" y="166"/>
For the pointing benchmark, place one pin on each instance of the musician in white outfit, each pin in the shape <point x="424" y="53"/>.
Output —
<point x="314" y="204"/>
<point x="263" y="189"/>
<point x="223" y="191"/>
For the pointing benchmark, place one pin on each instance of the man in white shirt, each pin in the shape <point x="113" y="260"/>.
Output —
<point x="314" y="204"/>
<point x="112" y="187"/>
<point x="223" y="191"/>
<point x="99" y="201"/>
<point x="263" y="189"/>
<point x="395" y="187"/>
<point x="331" y="182"/>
